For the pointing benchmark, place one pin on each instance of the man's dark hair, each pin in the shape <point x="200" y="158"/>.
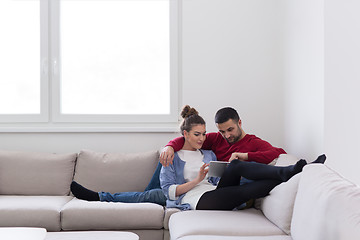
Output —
<point x="226" y="113"/>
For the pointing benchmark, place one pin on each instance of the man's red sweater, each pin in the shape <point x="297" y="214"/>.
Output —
<point x="258" y="150"/>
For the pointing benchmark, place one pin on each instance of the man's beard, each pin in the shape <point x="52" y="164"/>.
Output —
<point x="235" y="138"/>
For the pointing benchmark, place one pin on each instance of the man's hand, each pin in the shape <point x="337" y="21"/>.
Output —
<point x="239" y="156"/>
<point x="166" y="156"/>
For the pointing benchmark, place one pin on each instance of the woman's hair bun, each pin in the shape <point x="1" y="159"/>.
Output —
<point x="191" y="118"/>
<point x="188" y="111"/>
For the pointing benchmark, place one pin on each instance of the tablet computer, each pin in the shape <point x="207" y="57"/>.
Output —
<point x="217" y="168"/>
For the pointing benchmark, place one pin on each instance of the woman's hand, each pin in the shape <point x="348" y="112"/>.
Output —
<point x="184" y="188"/>
<point x="202" y="172"/>
<point x="166" y="156"/>
<point x="239" y="156"/>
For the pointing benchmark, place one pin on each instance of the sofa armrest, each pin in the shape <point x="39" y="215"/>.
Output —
<point x="168" y="213"/>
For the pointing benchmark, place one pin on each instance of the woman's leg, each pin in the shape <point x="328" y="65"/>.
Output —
<point x="228" y="198"/>
<point x="152" y="196"/>
<point x="83" y="193"/>
<point x="155" y="180"/>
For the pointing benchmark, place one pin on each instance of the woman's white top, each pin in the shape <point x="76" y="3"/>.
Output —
<point x="193" y="162"/>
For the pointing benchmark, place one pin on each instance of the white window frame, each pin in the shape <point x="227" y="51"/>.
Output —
<point x="51" y="120"/>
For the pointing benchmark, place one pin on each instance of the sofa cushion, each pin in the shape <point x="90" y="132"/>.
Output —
<point x="249" y="222"/>
<point x="326" y="206"/>
<point x="32" y="211"/>
<point x="209" y="237"/>
<point x="31" y="173"/>
<point x="115" y="172"/>
<point x="279" y="204"/>
<point x="84" y="215"/>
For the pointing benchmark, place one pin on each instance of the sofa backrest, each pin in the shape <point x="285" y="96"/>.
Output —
<point x="115" y="172"/>
<point x="34" y="173"/>
<point x="327" y="206"/>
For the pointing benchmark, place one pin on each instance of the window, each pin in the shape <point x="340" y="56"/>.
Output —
<point x="89" y="61"/>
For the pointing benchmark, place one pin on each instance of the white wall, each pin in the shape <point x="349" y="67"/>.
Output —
<point x="322" y="84"/>
<point x="232" y="51"/>
<point x="342" y="85"/>
<point x="232" y="56"/>
<point x="74" y="142"/>
<point x="304" y="78"/>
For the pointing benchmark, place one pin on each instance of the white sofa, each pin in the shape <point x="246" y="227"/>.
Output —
<point x="35" y="192"/>
<point x="317" y="204"/>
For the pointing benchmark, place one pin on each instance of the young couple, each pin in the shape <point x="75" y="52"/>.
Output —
<point x="183" y="174"/>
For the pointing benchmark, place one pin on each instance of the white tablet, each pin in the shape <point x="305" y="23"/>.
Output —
<point x="217" y="168"/>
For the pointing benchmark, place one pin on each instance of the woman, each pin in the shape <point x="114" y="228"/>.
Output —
<point x="186" y="185"/>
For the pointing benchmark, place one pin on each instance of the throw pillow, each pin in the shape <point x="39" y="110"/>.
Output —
<point x="279" y="204"/>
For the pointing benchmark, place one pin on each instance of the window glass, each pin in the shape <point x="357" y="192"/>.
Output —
<point x="114" y="57"/>
<point x="20" y="57"/>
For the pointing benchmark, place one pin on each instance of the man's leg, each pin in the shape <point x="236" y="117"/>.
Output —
<point x="257" y="171"/>
<point x="229" y="194"/>
<point x="228" y="198"/>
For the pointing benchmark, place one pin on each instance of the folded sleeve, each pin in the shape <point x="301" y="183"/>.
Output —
<point x="172" y="192"/>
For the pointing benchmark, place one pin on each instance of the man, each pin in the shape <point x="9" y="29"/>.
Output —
<point x="231" y="142"/>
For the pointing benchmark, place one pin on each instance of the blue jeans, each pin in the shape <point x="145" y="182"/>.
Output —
<point x="155" y="180"/>
<point x="153" y="196"/>
<point x="152" y="193"/>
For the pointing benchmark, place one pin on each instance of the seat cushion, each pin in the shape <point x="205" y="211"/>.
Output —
<point x="249" y="222"/>
<point x="115" y="172"/>
<point x="32" y="211"/>
<point x="31" y="173"/>
<point x="84" y="215"/>
<point x="326" y="206"/>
